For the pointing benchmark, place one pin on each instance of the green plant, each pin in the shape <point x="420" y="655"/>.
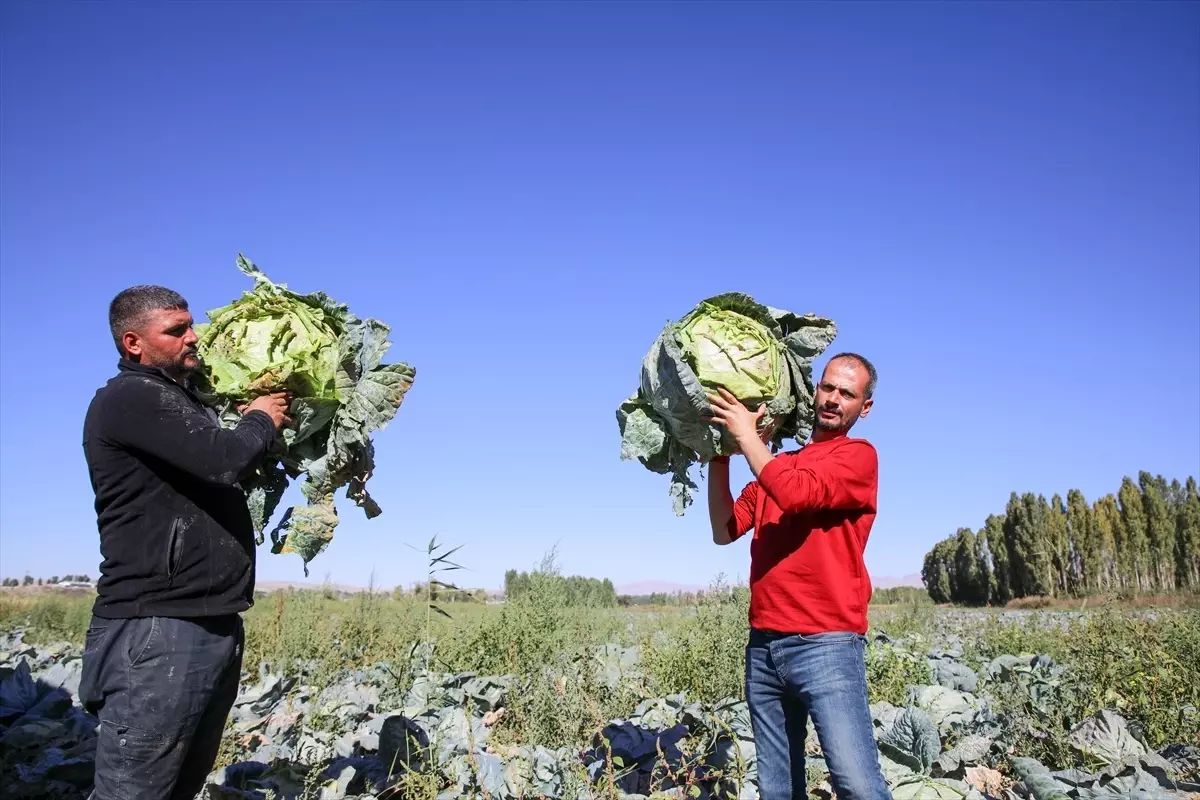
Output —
<point x="763" y="355"/>
<point x="891" y="671"/>
<point x="274" y="339"/>
<point x="438" y="563"/>
<point x="703" y="655"/>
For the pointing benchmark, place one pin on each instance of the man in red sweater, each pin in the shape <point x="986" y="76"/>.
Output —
<point x="811" y="511"/>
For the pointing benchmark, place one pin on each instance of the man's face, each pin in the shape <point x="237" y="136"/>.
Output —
<point x="165" y="340"/>
<point x="841" y="395"/>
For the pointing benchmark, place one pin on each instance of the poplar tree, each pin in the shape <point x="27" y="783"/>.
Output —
<point x="983" y="565"/>
<point x="998" y="547"/>
<point x="1110" y="540"/>
<point x="967" y="588"/>
<point x="1034" y="535"/>
<point x="935" y="573"/>
<point x="1014" y="513"/>
<point x="1059" y="546"/>
<point x="1187" y="538"/>
<point x="1136" y="542"/>
<point x="1083" y="543"/>
<point x="1160" y="530"/>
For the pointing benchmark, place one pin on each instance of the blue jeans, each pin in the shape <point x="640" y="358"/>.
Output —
<point x="790" y="678"/>
<point x="162" y="689"/>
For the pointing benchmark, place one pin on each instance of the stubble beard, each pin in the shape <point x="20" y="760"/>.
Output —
<point x="839" y="426"/>
<point x="180" y="370"/>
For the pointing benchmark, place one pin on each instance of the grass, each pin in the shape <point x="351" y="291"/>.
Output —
<point x="1140" y="660"/>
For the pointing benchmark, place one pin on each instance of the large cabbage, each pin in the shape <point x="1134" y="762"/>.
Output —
<point x="762" y="355"/>
<point x="274" y="339"/>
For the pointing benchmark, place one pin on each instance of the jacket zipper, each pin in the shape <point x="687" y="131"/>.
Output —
<point x="174" y="548"/>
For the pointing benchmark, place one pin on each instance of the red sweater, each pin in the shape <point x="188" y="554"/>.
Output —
<point x="811" y="511"/>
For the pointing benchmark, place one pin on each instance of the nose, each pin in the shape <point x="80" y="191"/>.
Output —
<point x="190" y="337"/>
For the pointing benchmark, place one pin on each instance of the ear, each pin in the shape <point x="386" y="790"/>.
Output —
<point x="866" y="409"/>
<point x="132" y="343"/>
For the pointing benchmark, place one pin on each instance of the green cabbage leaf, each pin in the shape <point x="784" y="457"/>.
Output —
<point x="273" y="339"/>
<point x="761" y="355"/>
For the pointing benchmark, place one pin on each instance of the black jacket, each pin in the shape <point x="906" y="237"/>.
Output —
<point x="175" y="533"/>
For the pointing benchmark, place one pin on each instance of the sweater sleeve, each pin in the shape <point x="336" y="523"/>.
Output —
<point x="843" y="479"/>
<point x="743" y="512"/>
<point x="161" y="422"/>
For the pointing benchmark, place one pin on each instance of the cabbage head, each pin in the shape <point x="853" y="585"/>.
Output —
<point x="273" y="339"/>
<point x="761" y="355"/>
<point x="271" y="342"/>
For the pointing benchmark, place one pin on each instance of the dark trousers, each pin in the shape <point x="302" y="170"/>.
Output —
<point x="162" y="689"/>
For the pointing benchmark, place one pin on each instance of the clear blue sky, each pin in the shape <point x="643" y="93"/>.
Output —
<point x="998" y="203"/>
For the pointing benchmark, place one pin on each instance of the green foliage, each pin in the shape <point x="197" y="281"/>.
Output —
<point x="969" y="584"/>
<point x="272" y="339"/>
<point x="935" y="572"/>
<point x="577" y="591"/>
<point x="1187" y="535"/>
<point x="1143" y="540"/>
<point x="1059" y="545"/>
<point x="1160" y="531"/>
<point x="51" y="617"/>
<point x="704" y="656"/>
<point x="1085" y="545"/>
<point x="890" y="671"/>
<point x="901" y="595"/>
<point x="1001" y="572"/>
<point x="438" y="563"/>
<point x="664" y="599"/>
<point x="763" y="355"/>
<point x="1139" y="663"/>
<point x="1143" y="667"/>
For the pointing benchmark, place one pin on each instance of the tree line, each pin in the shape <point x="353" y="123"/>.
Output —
<point x="900" y="596"/>
<point x="669" y="599"/>
<point x="441" y="592"/>
<point x="577" y="590"/>
<point x="1144" y="539"/>
<point x="29" y="580"/>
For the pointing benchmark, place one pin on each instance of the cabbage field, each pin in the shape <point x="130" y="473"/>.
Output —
<point x="378" y="695"/>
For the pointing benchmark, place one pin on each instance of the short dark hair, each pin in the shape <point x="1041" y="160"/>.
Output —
<point x="867" y="365"/>
<point x="129" y="308"/>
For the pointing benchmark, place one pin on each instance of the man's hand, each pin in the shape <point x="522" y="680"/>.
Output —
<point x="274" y="406"/>
<point x="742" y="424"/>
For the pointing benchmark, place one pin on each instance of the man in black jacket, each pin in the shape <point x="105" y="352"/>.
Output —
<point x="164" y="649"/>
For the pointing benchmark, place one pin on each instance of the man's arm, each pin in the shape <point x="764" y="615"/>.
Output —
<point x="156" y="420"/>
<point x="729" y="519"/>
<point x="845" y="480"/>
<point x="720" y="500"/>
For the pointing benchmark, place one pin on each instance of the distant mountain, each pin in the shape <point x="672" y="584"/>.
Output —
<point x="888" y="582"/>
<point x="651" y="587"/>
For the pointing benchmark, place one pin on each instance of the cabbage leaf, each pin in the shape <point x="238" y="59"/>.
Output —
<point x="761" y="355"/>
<point x="274" y="339"/>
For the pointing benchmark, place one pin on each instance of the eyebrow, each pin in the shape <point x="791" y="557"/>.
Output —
<point x="828" y="385"/>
